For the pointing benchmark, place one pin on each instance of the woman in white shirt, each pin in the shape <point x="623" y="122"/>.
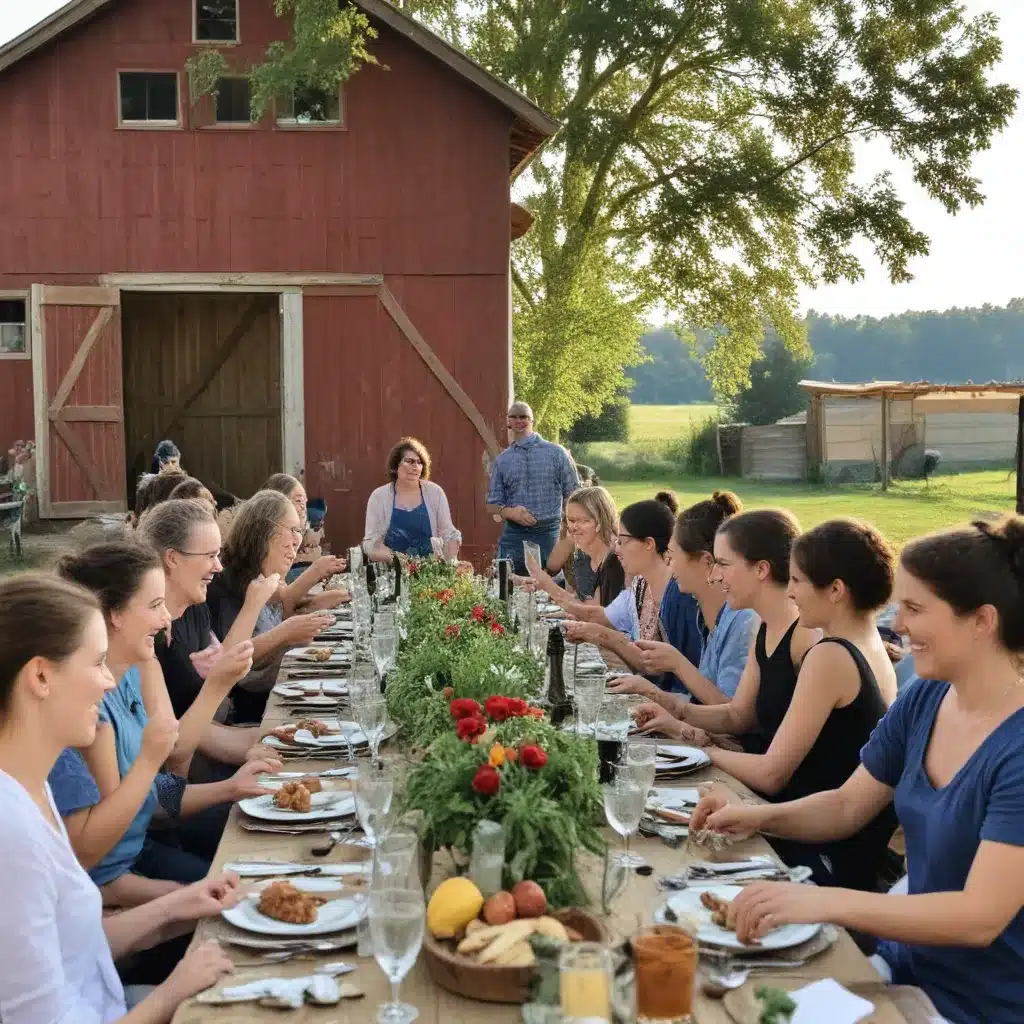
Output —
<point x="56" y="948"/>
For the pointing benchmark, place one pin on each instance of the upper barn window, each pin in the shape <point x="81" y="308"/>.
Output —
<point x="148" y="98"/>
<point x="216" y="21"/>
<point x="309" y="106"/>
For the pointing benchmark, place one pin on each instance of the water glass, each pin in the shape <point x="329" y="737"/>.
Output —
<point x="372" y="717"/>
<point x="642" y="756"/>
<point x="383" y="648"/>
<point x="625" y="798"/>
<point x="397" y="917"/>
<point x="395" y="859"/>
<point x="362" y="684"/>
<point x="585" y="983"/>
<point x="589" y="693"/>
<point x="539" y="640"/>
<point x="373" y="787"/>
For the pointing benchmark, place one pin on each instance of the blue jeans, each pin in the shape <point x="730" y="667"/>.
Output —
<point x="544" y="534"/>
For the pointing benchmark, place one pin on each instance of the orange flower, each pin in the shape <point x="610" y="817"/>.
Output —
<point x="511" y="755"/>
<point x="497" y="756"/>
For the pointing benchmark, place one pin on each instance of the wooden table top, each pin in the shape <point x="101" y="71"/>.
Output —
<point x="632" y="908"/>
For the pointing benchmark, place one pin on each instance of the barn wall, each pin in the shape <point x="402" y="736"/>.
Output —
<point x="16" y="415"/>
<point x="776" y="452"/>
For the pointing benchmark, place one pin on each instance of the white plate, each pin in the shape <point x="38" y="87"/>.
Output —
<point x="312" y="688"/>
<point x="337" y="916"/>
<point x="325" y="806"/>
<point x="673" y="799"/>
<point x="677" y="754"/>
<point x="687" y="904"/>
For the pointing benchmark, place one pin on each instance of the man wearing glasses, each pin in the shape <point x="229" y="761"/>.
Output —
<point x="530" y="482"/>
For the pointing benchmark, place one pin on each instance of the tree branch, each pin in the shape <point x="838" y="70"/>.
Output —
<point x="520" y="285"/>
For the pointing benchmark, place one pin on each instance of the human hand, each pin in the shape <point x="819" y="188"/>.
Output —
<point x="244" y="783"/>
<point x="261" y="752"/>
<point x="232" y="665"/>
<point x="333" y="598"/>
<point x="651" y="718"/>
<point x="262" y="589"/>
<point x="762" y="906"/>
<point x="327" y="566"/>
<point x="632" y="684"/>
<point x="582" y="632"/>
<point x="522" y="516"/>
<point x="203" y="661"/>
<point x="658" y="657"/>
<point x="202" y="966"/>
<point x="204" y="899"/>
<point x="720" y="814"/>
<point x="301" y="629"/>
<point x="158" y="739"/>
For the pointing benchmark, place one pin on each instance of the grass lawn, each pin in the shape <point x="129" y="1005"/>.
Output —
<point x="908" y="509"/>
<point x="665" y="422"/>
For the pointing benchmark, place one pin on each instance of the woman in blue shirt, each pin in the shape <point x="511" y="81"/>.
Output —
<point x="715" y="675"/>
<point x="949" y="755"/>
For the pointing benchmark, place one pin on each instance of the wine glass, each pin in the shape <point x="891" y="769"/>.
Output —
<point x="372" y="717"/>
<point x="383" y="647"/>
<point x="394" y="858"/>
<point x="643" y="756"/>
<point x="625" y="798"/>
<point x="373" y="787"/>
<point x="396" y="929"/>
<point x="588" y="692"/>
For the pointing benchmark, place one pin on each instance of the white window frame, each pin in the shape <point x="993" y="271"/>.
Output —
<point x="230" y="125"/>
<point x="26" y="296"/>
<point x="176" y="125"/>
<point x="293" y="124"/>
<point x="196" y="41"/>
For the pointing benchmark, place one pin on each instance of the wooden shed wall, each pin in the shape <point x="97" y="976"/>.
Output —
<point x="853" y="428"/>
<point x="972" y="437"/>
<point x="776" y="452"/>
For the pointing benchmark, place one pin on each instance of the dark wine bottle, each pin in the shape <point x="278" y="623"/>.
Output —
<point x="397" y="563"/>
<point x="371" y="579"/>
<point x="561" y="706"/>
<point x="505" y="579"/>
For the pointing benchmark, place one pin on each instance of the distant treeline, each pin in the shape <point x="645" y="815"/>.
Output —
<point x="956" y="346"/>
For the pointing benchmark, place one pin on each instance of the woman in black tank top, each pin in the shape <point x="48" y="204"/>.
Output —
<point x="815" y="704"/>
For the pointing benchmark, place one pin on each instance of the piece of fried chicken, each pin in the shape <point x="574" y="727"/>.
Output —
<point x="313" y="725"/>
<point x="284" y="902"/>
<point x="312" y="783"/>
<point x="293" y="796"/>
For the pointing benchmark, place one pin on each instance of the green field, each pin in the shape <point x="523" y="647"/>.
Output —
<point x="665" y="422"/>
<point x="907" y="510"/>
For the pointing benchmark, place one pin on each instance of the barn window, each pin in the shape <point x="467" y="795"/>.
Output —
<point x="13" y="326"/>
<point x="148" y="97"/>
<point x="233" y="101"/>
<point x="216" y="21"/>
<point x="310" y="106"/>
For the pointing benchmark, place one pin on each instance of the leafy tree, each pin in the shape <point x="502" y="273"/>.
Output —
<point x="610" y="424"/>
<point x="706" y="159"/>
<point x="774" y="390"/>
<point x="673" y="373"/>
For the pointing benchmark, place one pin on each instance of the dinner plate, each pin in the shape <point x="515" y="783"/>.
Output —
<point x="673" y="799"/>
<point x="325" y="805"/>
<point x="671" y="755"/>
<point x="337" y="657"/>
<point x="336" y="916"/>
<point x="312" y="688"/>
<point x="687" y="904"/>
<point x="349" y="732"/>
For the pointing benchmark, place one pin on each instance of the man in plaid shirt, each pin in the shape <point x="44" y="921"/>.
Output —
<point x="530" y="481"/>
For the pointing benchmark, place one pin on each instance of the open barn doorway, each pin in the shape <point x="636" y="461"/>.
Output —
<point x="203" y="369"/>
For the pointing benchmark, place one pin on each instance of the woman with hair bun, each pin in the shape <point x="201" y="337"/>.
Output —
<point x="652" y="607"/>
<point x="949" y="755"/>
<point x="725" y="631"/>
<point x="815" y="714"/>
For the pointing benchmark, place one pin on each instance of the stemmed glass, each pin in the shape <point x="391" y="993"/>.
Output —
<point x="373" y="786"/>
<point x="394" y="858"/>
<point x="372" y="717"/>
<point x="396" y="927"/>
<point x="362" y="616"/>
<point x="643" y="756"/>
<point x="625" y="798"/>
<point x="384" y="643"/>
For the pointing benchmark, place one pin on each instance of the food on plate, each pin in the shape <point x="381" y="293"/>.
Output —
<point x="284" y="902"/>
<point x="293" y="796"/>
<point x="719" y="908"/>
<point x="315" y="726"/>
<point x="529" y="899"/>
<point x="318" y="653"/>
<point x="499" y="909"/>
<point x="454" y="904"/>
<point x="711" y="840"/>
<point x="312" y="783"/>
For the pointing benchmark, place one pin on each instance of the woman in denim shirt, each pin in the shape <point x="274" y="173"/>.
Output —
<point x="725" y="645"/>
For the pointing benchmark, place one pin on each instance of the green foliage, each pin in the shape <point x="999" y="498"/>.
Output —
<point x="702" y="449"/>
<point x="673" y="373"/>
<point x="774" y="390"/>
<point x="610" y="424"/>
<point x="549" y="813"/>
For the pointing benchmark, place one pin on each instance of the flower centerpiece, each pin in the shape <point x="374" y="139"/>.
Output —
<point x="500" y="759"/>
<point x="458" y="644"/>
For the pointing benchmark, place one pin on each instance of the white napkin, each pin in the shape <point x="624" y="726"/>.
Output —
<point x="827" y="1000"/>
<point x="249" y="869"/>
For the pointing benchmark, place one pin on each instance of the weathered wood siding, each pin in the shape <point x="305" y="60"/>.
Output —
<point x="966" y="438"/>
<point x="776" y="452"/>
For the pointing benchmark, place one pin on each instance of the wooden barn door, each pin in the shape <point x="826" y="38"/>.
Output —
<point x="76" y="352"/>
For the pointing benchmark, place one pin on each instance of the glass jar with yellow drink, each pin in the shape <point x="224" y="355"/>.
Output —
<point x="585" y="977"/>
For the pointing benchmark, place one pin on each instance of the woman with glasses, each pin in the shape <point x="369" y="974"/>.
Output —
<point x="264" y="537"/>
<point x="404" y="514"/>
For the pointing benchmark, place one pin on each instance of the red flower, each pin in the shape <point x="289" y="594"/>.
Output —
<point x="414" y="568"/>
<point x="479" y="613"/>
<point x="487" y="781"/>
<point x="496" y="708"/>
<point x="533" y="757"/>
<point x="470" y="728"/>
<point x="464" y="707"/>
<point x="535" y="712"/>
<point x="517" y="707"/>
<point x="453" y="630"/>
<point x="444" y="596"/>
<point x="497" y="629"/>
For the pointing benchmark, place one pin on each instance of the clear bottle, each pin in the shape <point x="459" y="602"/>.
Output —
<point x="487" y="860"/>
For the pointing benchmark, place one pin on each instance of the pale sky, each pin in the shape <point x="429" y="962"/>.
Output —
<point x="976" y="257"/>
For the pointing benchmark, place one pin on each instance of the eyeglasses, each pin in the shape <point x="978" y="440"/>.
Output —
<point x="622" y="538"/>
<point x="517" y="416"/>
<point x="210" y="556"/>
<point x="295" y="531"/>
<point x="412" y="462"/>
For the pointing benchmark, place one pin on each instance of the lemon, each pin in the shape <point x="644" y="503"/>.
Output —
<point x="456" y="902"/>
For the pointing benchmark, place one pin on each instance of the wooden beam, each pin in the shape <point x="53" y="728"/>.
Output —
<point x="103" y="318"/>
<point x="1020" y="456"/>
<point x="84" y="509"/>
<point x="885" y="442"/>
<point x="293" y="385"/>
<point x="189" y="282"/>
<point x="339" y="291"/>
<point x="42" y="420"/>
<point x="448" y="382"/>
<point x="72" y="295"/>
<point x="88" y="414"/>
<point x="81" y="457"/>
<point x="214" y="364"/>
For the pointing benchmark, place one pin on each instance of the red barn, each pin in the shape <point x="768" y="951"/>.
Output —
<point x="295" y="293"/>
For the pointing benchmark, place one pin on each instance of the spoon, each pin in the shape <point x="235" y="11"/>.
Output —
<point x="718" y="981"/>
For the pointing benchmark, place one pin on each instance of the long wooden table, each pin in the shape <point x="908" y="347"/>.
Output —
<point x="843" y="961"/>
